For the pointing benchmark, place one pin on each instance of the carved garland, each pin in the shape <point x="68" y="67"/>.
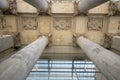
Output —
<point x="29" y="23"/>
<point x="62" y="23"/>
<point x="95" y="23"/>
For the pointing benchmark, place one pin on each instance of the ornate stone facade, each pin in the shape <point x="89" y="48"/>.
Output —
<point x="95" y="23"/>
<point x="29" y="23"/>
<point x="61" y="23"/>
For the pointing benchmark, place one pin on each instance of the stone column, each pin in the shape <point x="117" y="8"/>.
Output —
<point x="18" y="66"/>
<point x="41" y="5"/>
<point x="106" y="61"/>
<point x="4" y="5"/>
<point x="85" y="5"/>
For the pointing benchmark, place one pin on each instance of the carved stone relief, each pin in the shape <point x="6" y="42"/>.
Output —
<point x="2" y="22"/>
<point x="29" y="23"/>
<point x="12" y="6"/>
<point x="114" y="8"/>
<point x="95" y="23"/>
<point x="61" y="23"/>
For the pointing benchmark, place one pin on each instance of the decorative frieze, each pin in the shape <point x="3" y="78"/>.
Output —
<point x="29" y="23"/>
<point x="61" y="23"/>
<point x="95" y="23"/>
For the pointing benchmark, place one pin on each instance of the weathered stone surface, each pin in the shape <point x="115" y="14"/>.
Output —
<point x="6" y="42"/>
<point x="81" y="24"/>
<point x="12" y="7"/>
<point x="18" y="66"/>
<point x="101" y="9"/>
<point x="11" y="23"/>
<point x="114" y="8"/>
<point x="2" y="22"/>
<point x="116" y="43"/>
<point x="114" y="23"/>
<point x="59" y="36"/>
<point x="41" y="5"/>
<point x="29" y="23"/>
<point x="95" y="23"/>
<point x="85" y="5"/>
<point x="44" y="24"/>
<point x="107" y="62"/>
<point x="62" y="7"/>
<point x="23" y="7"/>
<point x="28" y="29"/>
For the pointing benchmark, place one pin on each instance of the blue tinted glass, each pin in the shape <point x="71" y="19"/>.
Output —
<point x="63" y="70"/>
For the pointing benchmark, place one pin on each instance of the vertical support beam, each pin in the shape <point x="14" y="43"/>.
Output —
<point x="41" y="5"/>
<point x="18" y="66"/>
<point x="4" y="5"/>
<point x="106" y="61"/>
<point x="85" y="5"/>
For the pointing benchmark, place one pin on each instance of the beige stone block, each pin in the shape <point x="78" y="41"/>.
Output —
<point x="62" y="38"/>
<point x="102" y="9"/>
<point x="116" y="43"/>
<point x="11" y="23"/>
<point x="6" y="42"/>
<point x="65" y="7"/>
<point x="44" y="24"/>
<point x="96" y="36"/>
<point x="81" y="24"/>
<point x="29" y="36"/>
<point x="114" y="24"/>
<point x="24" y="7"/>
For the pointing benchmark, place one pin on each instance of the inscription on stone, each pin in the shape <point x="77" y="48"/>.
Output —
<point x="29" y="23"/>
<point x="95" y="23"/>
<point x="61" y="23"/>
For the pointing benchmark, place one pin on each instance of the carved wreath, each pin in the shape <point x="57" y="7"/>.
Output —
<point x="62" y="23"/>
<point x="30" y="23"/>
<point x="95" y="24"/>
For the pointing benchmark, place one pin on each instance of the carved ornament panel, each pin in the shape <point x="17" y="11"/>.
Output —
<point x="29" y="23"/>
<point x="61" y="23"/>
<point x="95" y="23"/>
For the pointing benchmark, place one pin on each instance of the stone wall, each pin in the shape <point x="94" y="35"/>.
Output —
<point x="62" y="23"/>
<point x="6" y="42"/>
